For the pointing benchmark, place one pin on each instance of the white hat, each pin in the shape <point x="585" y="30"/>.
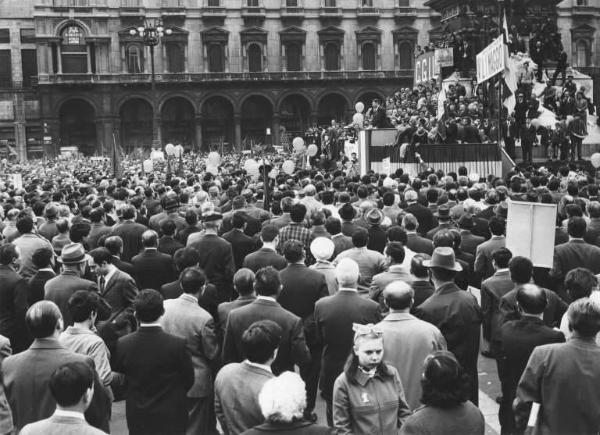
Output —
<point x="322" y="248"/>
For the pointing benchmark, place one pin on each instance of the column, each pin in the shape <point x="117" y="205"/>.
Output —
<point x="89" y="58"/>
<point x="237" y="122"/>
<point x="198" y="126"/>
<point x="314" y="116"/>
<point x="51" y="145"/>
<point x="59" y="58"/>
<point x="275" y="132"/>
<point x="20" y="132"/>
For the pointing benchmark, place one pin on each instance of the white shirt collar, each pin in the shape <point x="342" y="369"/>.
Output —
<point x="109" y="275"/>
<point x="46" y="269"/>
<point x="260" y="366"/>
<point x="72" y="414"/>
<point x="266" y="298"/>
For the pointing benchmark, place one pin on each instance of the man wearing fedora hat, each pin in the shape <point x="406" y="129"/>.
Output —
<point x="468" y="240"/>
<point x="60" y="288"/>
<point x="377" y="236"/>
<point x="455" y="312"/>
<point x="444" y="221"/>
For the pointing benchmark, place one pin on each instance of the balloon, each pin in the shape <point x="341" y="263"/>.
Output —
<point x="312" y="150"/>
<point x="359" y="107"/>
<point x="596" y="160"/>
<point x="273" y="173"/>
<point x="212" y="169"/>
<point x="179" y="150"/>
<point x="298" y="143"/>
<point x="359" y="119"/>
<point x="214" y="158"/>
<point x="570" y="119"/>
<point x="157" y="155"/>
<point x="253" y="171"/>
<point x="148" y="165"/>
<point x="169" y="149"/>
<point x="250" y="163"/>
<point x="288" y="167"/>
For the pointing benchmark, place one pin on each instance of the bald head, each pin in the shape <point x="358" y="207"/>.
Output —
<point x="398" y="295"/>
<point x="347" y="273"/>
<point x="532" y="299"/>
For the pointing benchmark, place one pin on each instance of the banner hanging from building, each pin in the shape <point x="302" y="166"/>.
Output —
<point x="426" y="68"/>
<point x="444" y="57"/>
<point x="491" y="60"/>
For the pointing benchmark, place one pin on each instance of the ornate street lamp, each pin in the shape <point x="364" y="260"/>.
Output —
<point x="151" y="32"/>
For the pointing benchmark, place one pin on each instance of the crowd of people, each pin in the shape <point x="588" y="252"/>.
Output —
<point x="209" y="306"/>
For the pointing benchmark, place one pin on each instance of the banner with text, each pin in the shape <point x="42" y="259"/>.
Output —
<point x="491" y="60"/>
<point x="426" y="68"/>
<point x="444" y="57"/>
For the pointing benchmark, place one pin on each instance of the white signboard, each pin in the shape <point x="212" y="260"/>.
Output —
<point x="491" y="60"/>
<point x="387" y="166"/>
<point x="17" y="180"/>
<point x="425" y="68"/>
<point x="530" y="231"/>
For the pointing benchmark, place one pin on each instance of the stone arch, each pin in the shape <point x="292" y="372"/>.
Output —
<point x="333" y="104"/>
<point x="77" y="125"/>
<point x="177" y="117"/>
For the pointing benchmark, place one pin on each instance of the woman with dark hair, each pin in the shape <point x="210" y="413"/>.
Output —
<point x="446" y="409"/>
<point x="368" y="397"/>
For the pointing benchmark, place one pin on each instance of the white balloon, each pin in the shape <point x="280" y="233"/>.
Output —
<point x="214" y="158"/>
<point x="169" y="149"/>
<point x="148" y="165"/>
<point x="298" y="143"/>
<point x="596" y="160"/>
<point x="359" y="107"/>
<point x="179" y="150"/>
<point x="212" y="169"/>
<point x="312" y="150"/>
<point x="288" y="167"/>
<point x="359" y="119"/>
<point x="249" y="164"/>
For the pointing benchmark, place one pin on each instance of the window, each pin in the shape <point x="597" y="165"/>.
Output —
<point x="74" y="51"/>
<point x="28" y="36"/>
<point x="252" y="3"/>
<point x="293" y="57"/>
<point x="175" y="57"/>
<point x="368" y="56"/>
<point x="332" y="57"/>
<point x="403" y="3"/>
<point x="214" y="3"/>
<point x="4" y="36"/>
<point x="254" y="58"/>
<point x="5" y="68"/>
<point x="582" y="2"/>
<point x="134" y="58"/>
<point x="330" y="3"/>
<point x="291" y="3"/>
<point x="29" y="65"/>
<point x="582" y="53"/>
<point x="405" y="53"/>
<point x="215" y="58"/>
<point x="367" y="3"/>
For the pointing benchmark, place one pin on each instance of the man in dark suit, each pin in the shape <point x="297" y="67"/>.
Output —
<point x="340" y="241"/>
<point x="302" y="288"/>
<point x="293" y="349"/>
<point x="158" y="370"/>
<point x="421" y="285"/>
<point x="152" y="268"/>
<point x="575" y="253"/>
<point x="456" y="313"/>
<point x="267" y="255"/>
<point x="380" y="119"/>
<point x="167" y="244"/>
<point x="334" y="316"/>
<point x="13" y="299"/>
<point x="130" y="233"/>
<point x="592" y="234"/>
<point x="483" y="252"/>
<point x="517" y="339"/>
<point x="285" y="219"/>
<point x="99" y="228"/>
<point x="42" y="260"/>
<point x="468" y="241"/>
<point x="216" y="257"/>
<point x="243" y="284"/>
<point x="423" y="214"/>
<point x="347" y="215"/>
<point x="115" y="245"/>
<point x="241" y="244"/>
<point x="414" y="241"/>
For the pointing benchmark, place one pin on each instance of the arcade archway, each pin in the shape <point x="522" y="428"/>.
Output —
<point x="294" y="113"/>
<point x="177" y="122"/>
<point x="217" y="123"/>
<point x="136" y="124"/>
<point x="257" y="114"/>
<point x="78" y="126"/>
<point x="332" y="106"/>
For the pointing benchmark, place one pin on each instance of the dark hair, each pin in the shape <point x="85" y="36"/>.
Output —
<point x="128" y="212"/>
<point x="317" y="218"/>
<point x="42" y="257"/>
<point x="532" y="299"/>
<point x="62" y="225"/>
<point x="445" y="385"/>
<point x="186" y="257"/>
<point x="497" y="226"/>
<point x="25" y="224"/>
<point x="579" y="283"/>
<point x="192" y="279"/>
<point x="79" y="231"/>
<point x="360" y="237"/>
<point x="114" y="244"/>
<point x="82" y="303"/>
<point x="8" y="253"/>
<point x="293" y="251"/>
<point x="148" y="306"/>
<point x="266" y="281"/>
<point x="97" y="214"/>
<point x="191" y="217"/>
<point x="443" y="238"/>
<point x="576" y="227"/>
<point x="502" y="257"/>
<point x="298" y="212"/>
<point x="243" y="281"/>
<point x="389" y="198"/>
<point x="396" y="252"/>
<point x="41" y="319"/>
<point x="101" y="255"/>
<point x="238" y="219"/>
<point x="260" y="341"/>
<point x="168" y="227"/>
<point x="268" y="233"/>
<point x="333" y="225"/>
<point x="416" y="265"/>
<point x="584" y="317"/>
<point x="521" y="269"/>
<point x="397" y="234"/>
<point x="70" y="381"/>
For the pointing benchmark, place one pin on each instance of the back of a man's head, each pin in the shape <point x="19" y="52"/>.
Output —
<point x="360" y="237"/>
<point x="298" y="212"/>
<point x="293" y="251"/>
<point x="532" y="299"/>
<point x="266" y="281"/>
<point x="186" y="257"/>
<point x="260" y="341"/>
<point x="584" y="317"/>
<point x="114" y="244"/>
<point x="396" y="252"/>
<point x="168" y="227"/>
<point x="148" y="306"/>
<point x="149" y="239"/>
<point x="42" y="257"/>
<point x="347" y="273"/>
<point x="502" y="257"/>
<point x="243" y="281"/>
<point x="580" y="282"/>
<point x="43" y="318"/>
<point x="70" y="382"/>
<point x="417" y="268"/>
<point x="192" y="279"/>
<point x="333" y="225"/>
<point x="82" y="304"/>
<point x="521" y="270"/>
<point x="497" y="226"/>
<point x="576" y="227"/>
<point x="268" y="233"/>
<point x="398" y="295"/>
<point x="410" y="222"/>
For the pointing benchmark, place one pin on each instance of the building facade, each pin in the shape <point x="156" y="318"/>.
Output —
<point x="227" y="71"/>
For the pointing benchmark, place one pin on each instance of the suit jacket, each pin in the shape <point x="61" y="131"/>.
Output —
<point x="380" y="119"/>
<point x="29" y="396"/>
<point x="419" y="244"/>
<point x="61" y="425"/>
<point x="341" y="243"/>
<point x="483" y="256"/>
<point x="301" y="427"/>
<point x="98" y="230"/>
<point x="457" y="315"/>
<point x="208" y="299"/>
<point x="131" y="233"/>
<point x="553" y="312"/>
<point x="469" y="241"/>
<point x="13" y="306"/>
<point x="153" y="269"/>
<point x="60" y="288"/>
<point x="168" y="245"/>
<point x="301" y="289"/>
<point x="328" y="271"/>
<point x="241" y="245"/>
<point x="334" y="316"/>
<point x="592" y="235"/>
<point x="36" y="285"/>
<point x="159" y="372"/>
<point x="423" y="290"/>
<point x="370" y="263"/>
<point x="396" y="272"/>
<point x="123" y="266"/>
<point x="262" y="258"/>
<point x="184" y="318"/>
<point x="292" y="350"/>
<point x="120" y="292"/>
<point x="573" y="254"/>
<point x="216" y="259"/>
<point x="348" y="228"/>
<point x="563" y="377"/>
<point x="424" y="217"/>
<point x="225" y="308"/>
<point x="492" y="291"/>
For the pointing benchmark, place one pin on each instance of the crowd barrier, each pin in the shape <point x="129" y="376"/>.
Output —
<point x="374" y="148"/>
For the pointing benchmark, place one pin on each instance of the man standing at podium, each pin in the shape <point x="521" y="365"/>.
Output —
<point x="380" y="119"/>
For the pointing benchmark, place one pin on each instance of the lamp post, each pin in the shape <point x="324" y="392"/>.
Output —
<point x="151" y="31"/>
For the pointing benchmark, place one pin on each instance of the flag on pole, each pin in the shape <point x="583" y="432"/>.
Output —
<point x="505" y="27"/>
<point x="116" y="160"/>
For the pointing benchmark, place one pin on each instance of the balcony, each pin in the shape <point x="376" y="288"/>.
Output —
<point x="172" y="8"/>
<point x="292" y="12"/>
<point x="585" y="11"/>
<point x="367" y="12"/>
<point x="214" y="12"/>
<point x="405" y="12"/>
<point x="330" y="12"/>
<point x="173" y="78"/>
<point x="253" y="12"/>
<point x="78" y="4"/>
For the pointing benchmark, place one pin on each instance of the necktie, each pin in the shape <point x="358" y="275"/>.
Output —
<point x="101" y="282"/>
